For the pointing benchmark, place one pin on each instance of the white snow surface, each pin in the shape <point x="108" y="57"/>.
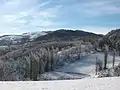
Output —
<point x="79" y="69"/>
<point x="34" y="35"/>
<point x="11" y="37"/>
<point x="87" y="64"/>
<point x="110" y="83"/>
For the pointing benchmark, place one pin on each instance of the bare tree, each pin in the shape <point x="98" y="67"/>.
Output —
<point x="99" y="65"/>
<point x="105" y="56"/>
<point x="114" y="52"/>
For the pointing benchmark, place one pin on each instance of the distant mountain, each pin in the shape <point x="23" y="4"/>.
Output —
<point x="16" y="39"/>
<point x="12" y="39"/>
<point x="69" y="35"/>
<point x="63" y="35"/>
<point x="34" y="35"/>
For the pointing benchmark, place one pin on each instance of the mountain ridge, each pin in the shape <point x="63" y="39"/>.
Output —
<point x="63" y="34"/>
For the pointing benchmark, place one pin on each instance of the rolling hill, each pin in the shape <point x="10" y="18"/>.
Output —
<point x="66" y="35"/>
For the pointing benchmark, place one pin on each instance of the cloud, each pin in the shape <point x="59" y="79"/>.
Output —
<point x="32" y="15"/>
<point x="102" y="7"/>
<point x="21" y="15"/>
<point x="93" y="8"/>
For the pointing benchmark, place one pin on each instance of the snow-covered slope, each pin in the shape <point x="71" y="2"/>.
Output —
<point x="80" y="69"/>
<point x="34" y="35"/>
<point x="87" y="64"/>
<point x="82" y="84"/>
<point x="13" y="39"/>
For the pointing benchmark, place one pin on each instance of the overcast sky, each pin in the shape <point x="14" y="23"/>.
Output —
<point x="18" y="16"/>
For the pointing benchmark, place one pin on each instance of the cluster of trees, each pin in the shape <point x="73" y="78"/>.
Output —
<point x="100" y="65"/>
<point x="110" y="43"/>
<point x="112" y="40"/>
<point x="48" y="59"/>
<point x="30" y="61"/>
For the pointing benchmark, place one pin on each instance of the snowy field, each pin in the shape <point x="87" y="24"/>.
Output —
<point x="82" y="84"/>
<point x="80" y="69"/>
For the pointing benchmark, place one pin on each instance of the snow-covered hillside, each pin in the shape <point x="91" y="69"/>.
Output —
<point x="80" y="69"/>
<point x="34" y="35"/>
<point x="82" y="84"/>
<point x="13" y="39"/>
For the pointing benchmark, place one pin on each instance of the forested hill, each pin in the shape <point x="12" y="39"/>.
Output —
<point x="69" y="35"/>
<point x="112" y="39"/>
